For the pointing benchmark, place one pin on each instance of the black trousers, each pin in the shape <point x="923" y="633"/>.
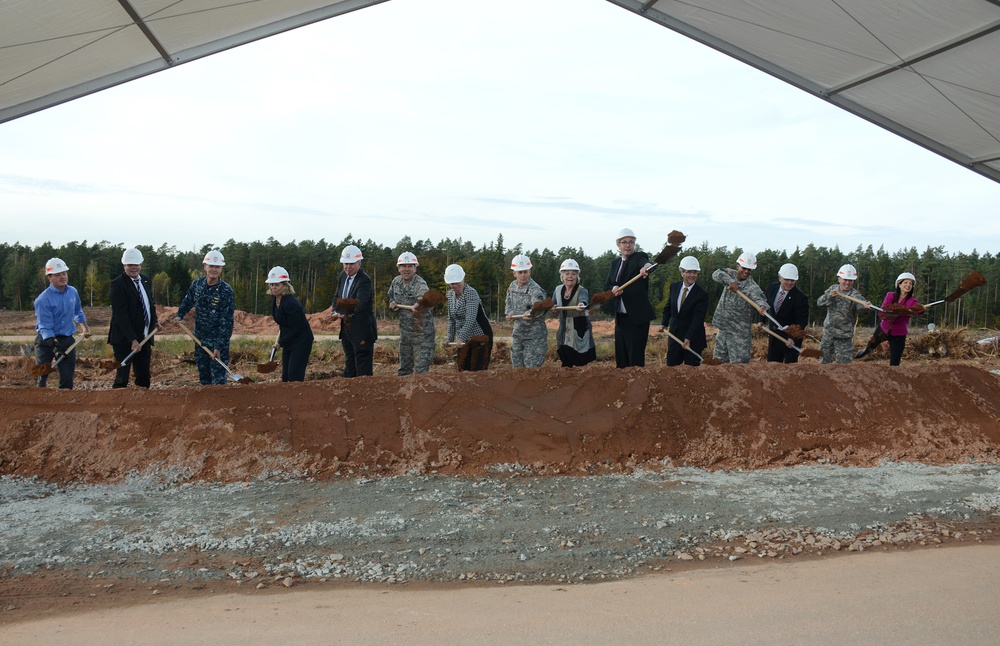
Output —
<point x="677" y="355"/>
<point x="294" y="360"/>
<point x="630" y="341"/>
<point x="139" y="364"/>
<point x="778" y="352"/>
<point x="66" y="367"/>
<point x="896" y="346"/>
<point x="357" y="358"/>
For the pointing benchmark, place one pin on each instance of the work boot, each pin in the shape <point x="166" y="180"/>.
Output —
<point x="862" y="352"/>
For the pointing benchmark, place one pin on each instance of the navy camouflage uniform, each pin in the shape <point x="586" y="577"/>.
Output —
<point x="531" y="337"/>
<point x="214" y="308"/>
<point x="838" y="327"/>
<point x="416" y="333"/>
<point x="734" y="317"/>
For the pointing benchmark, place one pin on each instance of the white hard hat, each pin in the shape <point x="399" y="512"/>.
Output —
<point x="454" y="274"/>
<point x="214" y="258"/>
<point x="903" y="276"/>
<point x="747" y="260"/>
<point x="690" y="263"/>
<point x="351" y="254"/>
<point x="847" y="272"/>
<point x="788" y="271"/>
<point x="624" y="233"/>
<point x="277" y="274"/>
<point x="57" y="266"/>
<point x="569" y="265"/>
<point x="520" y="262"/>
<point x="132" y="256"/>
<point x="406" y="258"/>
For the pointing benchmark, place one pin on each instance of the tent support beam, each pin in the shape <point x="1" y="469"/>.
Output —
<point x="913" y="60"/>
<point x="146" y="31"/>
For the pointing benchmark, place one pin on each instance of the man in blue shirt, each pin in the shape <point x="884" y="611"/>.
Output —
<point x="57" y="311"/>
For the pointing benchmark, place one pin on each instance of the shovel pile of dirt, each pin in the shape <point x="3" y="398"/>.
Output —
<point x="548" y="421"/>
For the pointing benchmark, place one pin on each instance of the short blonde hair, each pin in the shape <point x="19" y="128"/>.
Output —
<point x="286" y="288"/>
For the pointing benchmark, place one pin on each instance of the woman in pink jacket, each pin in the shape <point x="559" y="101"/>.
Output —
<point x="899" y="306"/>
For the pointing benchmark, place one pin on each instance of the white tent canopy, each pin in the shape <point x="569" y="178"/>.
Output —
<point x="924" y="69"/>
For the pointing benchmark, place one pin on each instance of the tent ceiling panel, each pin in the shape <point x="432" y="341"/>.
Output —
<point x="928" y="71"/>
<point x="53" y="51"/>
<point x="909" y="100"/>
<point x="190" y="24"/>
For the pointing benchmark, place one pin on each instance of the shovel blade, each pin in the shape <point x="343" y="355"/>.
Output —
<point x="42" y="369"/>
<point x="265" y="368"/>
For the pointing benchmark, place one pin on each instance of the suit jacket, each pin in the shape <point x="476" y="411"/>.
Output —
<point x="794" y="309"/>
<point x="126" y="310"/>
<point x="636" y="296"/>
<point x="689" y="321"/>
<point x="360" y="325"/>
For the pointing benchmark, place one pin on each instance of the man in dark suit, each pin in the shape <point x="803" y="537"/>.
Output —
<point x="633" y="311"/>
<point x="133" y="317"/>
<point x="684" y="315"/>
<point x="791" y="307"/>
<point x="358" y="330"/>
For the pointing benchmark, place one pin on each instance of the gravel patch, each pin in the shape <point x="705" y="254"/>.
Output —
<point x="507" y="529"/>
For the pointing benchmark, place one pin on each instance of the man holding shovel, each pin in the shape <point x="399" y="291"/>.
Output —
<point x="354" y="307"/>
<point x="57" y="311"/>
<point x="734" y="315"/>
<point x="633" y="311"/>
<point x="215" y="305"/>
<point x="133" y="317"/>
<point x="791" y="307"/>
<point x="684" y="315"/>
<point x="416" y="328"/>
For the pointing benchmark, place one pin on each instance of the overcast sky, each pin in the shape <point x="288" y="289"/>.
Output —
<point x="554" y="123"/>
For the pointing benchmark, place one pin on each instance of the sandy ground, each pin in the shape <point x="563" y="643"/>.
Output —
<point x="441" y="492"/>
<point x="943" y="596"/>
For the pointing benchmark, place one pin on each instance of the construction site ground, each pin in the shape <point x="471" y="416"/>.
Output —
<point x="651" y="482"/>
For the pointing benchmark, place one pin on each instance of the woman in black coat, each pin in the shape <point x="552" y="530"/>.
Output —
<point x="296" y="337"/>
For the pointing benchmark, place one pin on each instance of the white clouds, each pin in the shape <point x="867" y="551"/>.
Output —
<point x="443" y="119"/>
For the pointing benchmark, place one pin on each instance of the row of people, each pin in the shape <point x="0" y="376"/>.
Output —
<point x="742" y="304"/>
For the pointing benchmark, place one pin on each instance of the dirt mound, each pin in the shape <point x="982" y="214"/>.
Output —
<point x="548" y="421"/>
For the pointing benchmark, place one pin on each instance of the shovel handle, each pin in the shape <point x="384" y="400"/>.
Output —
<point x="781" y="338"/>
<point x="652" y="266"/>
<point x="757" y="307"/>
<point x="406" y="307"/>
<point x="136" y="351"/>
<point x="568" y="308"/>
<point x="68" y="350"/>
<point x="859" y="301"/>
<point x="672" y="336"/>
<point x="209" y="352"/>
<point x="274" y="348"/>
<point x="929" y="305"/>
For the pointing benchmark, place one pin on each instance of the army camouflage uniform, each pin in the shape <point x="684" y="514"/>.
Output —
<point x="213" y="325"/>
<point x="838" y="327"/>
<point x="531" y="337"/>
<point x="416" y="334"/>
<point x="734" y="317"/>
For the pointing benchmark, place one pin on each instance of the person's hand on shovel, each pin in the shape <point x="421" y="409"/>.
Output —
<point x="86" y="330"/>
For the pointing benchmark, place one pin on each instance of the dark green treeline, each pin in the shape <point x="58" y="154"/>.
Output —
<point x="314" y="267"/>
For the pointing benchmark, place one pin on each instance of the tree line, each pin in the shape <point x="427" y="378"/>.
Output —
<point x="314" y="267"/>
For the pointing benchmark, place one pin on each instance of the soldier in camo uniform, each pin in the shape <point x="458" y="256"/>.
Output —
<point x="841" y="317"/>
<point x="531" y="337"/>
<point x="416" y="336"/>
<point x="215" y="303"/>
<point x="734" y="316"/>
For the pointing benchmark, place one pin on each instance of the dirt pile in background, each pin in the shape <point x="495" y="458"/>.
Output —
<point x="548" y="421"/>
